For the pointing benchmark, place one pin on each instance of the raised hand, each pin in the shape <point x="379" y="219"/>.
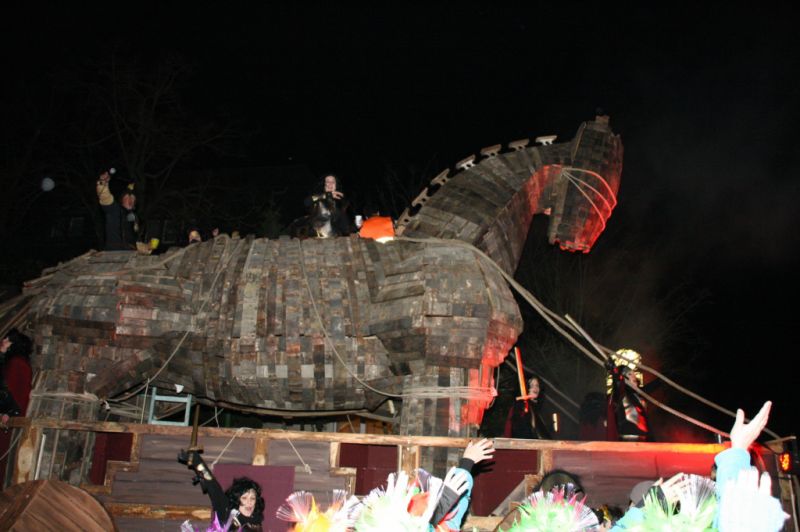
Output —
<point x="747" y="504"/>
<point x="457" y="480"/>
<point x="479" y="451"/>
<point x="744" y="434"/>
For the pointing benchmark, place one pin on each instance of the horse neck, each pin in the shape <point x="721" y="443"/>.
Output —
<point x="490" y="203"/>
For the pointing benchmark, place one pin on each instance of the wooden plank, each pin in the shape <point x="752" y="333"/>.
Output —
<point x="408" y="458"/>
<point x="482" y="524"/>
<point x="260" y="451"/>
<point x="159" y="511"/>
<point x="349" y="473"/>
<point x="27" y="453"/>
<point x="377" y="439"/>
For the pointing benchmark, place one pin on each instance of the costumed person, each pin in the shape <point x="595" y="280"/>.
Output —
<point x="745" y="496"/>
<point x="738" y="501"/>
<point x="240" y="507"/>
<point x="122" y="224"/>
<point x="627" y="414"/>
<point x="558" y="509"/>
<point x="424" y="502"/>
<point x="15" y="376"/>
<point x="332" y="198"/>
<point x="684" y="502"/>
<point x="193" y="236"/>
<point x="524" y="420"/>
<point x="592" y="417"/>
<point x="558" y="478"/>
<point x="301" y="509"/>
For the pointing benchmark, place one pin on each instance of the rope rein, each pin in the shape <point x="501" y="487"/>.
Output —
<point x="487" y="394"/>
<point x="419" y="392"/>
<point x="188" y="331"/>
<point x="560" y="324"/>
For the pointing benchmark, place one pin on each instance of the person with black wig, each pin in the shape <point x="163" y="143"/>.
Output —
<point x="331" y="190"/>
<point x="240" y="507"/>
<point x="524" y="420"/>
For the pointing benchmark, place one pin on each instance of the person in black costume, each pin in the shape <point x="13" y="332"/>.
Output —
<point x="240" y="507"/>
<point x="627" y="412"/>
<point x="122" y="224"/>
<point x="331" y="190"/>
<point x="523" y="419"/>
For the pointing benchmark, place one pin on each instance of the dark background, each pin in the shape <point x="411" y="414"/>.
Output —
<point x="697" y="267"/>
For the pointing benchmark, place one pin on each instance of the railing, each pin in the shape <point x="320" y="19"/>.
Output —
<point x="409" y="448"/>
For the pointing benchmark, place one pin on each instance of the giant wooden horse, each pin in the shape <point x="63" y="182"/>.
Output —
<point x="330" y="325"/>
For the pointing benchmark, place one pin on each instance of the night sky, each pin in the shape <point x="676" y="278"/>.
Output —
<point x="704" y="97"/>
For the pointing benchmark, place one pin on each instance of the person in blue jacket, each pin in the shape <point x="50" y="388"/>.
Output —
<point x="762" y="511"/>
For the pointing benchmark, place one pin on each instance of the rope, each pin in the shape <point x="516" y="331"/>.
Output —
<point x="596" y="175"/>
<point x="574" y="182"/>
<point x="697" y="397"/>
<point x="186" y="333"/>
<point x="419" y="392"/>
<point x="306" y="467"/>
<point x="146" y="267"/>
<point x="550" y="385"/>
<point x="325" y="330"/>
<point x="215" y="418"/>
<point x="676" y="413"/>
<point x="672" y="411"/>
<point x="551" y="318"/>
<point x="61" y="290"/>
<point x="11" y="445"/>
<point x="18" y="318"/>
<point x="144" y="403"/>
<point x="69" y="396"/>
<point x="235" y="435"/>
<point x="545" y="397"/>
<point x="463" y="392"/>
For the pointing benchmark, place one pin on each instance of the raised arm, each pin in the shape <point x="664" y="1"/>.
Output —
<point x="104" y="196"/>
<point x="731" y="461"/>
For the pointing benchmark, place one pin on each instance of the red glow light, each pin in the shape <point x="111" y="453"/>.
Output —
<point x="785" y="462"/>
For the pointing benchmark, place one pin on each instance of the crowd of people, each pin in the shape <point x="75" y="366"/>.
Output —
<point x="739" y="500"/>
<point x="328" y="216"/>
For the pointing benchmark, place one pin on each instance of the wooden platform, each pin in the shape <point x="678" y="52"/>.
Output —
<point x="152" y="491"/>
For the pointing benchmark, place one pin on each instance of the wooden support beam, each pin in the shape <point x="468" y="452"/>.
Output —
<point x="475" y="522"/>
<point x="545" y="461"/>
<point x="260" y="451"/>
<point x="27" y="454"/>
<point x="531" y="481"/>
<point x="349" y="473"/>
<point x="408" y="458"/>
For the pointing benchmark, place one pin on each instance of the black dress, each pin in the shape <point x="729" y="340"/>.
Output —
<point x="526" y="425"/>
<point x="222" y="507"/>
